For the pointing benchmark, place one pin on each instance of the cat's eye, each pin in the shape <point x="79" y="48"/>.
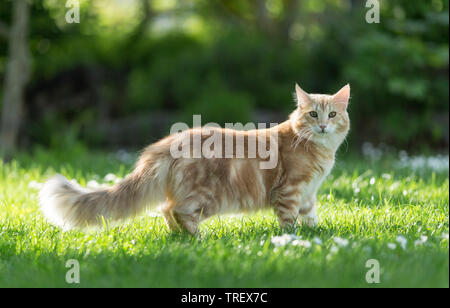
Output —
<point x="332" y="114"/>
<point x="313" y="114"/>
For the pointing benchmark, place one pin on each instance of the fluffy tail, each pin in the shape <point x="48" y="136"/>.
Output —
<point x="68" y="205"/>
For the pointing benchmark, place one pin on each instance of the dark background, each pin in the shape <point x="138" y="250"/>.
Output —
<point x="131" y="68"/>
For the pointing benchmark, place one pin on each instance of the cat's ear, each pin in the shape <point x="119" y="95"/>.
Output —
<point x="302" y="97"/>
<point x="342" y="96"/>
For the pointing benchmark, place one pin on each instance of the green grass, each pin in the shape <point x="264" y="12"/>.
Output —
<point x="232" y="251"/>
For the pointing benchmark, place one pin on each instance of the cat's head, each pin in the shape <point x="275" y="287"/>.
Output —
<point x="321" y="117"/>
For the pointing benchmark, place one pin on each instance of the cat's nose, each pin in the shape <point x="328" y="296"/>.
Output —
<point x="323" y="126"/>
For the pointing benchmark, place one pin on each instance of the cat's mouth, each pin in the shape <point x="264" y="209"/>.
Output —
<point x="322" y="132"/>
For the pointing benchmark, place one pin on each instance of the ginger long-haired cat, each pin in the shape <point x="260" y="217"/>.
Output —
<point x="191" y="189"/>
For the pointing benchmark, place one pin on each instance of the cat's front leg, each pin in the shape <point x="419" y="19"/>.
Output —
<point x="287" y="211"/>
<point x="308" y="214"/>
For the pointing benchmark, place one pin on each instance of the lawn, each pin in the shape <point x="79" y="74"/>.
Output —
<point x="391" y="210"/>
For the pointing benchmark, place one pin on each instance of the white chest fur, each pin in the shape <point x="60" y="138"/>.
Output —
<point x="308" y="190"/>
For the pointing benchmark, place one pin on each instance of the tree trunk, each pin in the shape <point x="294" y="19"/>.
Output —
<point x="291" y="11"/>
<point x="16" y="78"/>
<point x="263" y="19"/>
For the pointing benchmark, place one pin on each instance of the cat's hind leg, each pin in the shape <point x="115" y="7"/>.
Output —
<point x="169" y="218"/>
<point x="187" y="222"/>
<point x="179" y="221"/>
<point x="190" y="213"/>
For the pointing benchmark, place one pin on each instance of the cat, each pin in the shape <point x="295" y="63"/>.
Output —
<point x="193" y="189"/>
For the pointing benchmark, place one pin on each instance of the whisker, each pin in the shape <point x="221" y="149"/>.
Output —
<point x="305" y="133"/>
<point x="307" y="142"/>
<point x="300" y="136"/>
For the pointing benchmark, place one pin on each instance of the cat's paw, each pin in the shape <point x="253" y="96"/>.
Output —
<point x="310" y="221"/>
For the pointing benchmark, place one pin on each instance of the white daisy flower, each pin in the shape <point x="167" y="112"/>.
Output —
<point x="93" y="184"/>
<point x="110" y="177"/>
<point x="302" y="243"/>
<point x="317" y="241"/>
<point x="341" y="241"/>
<point x="402" y="241"/>
<point x="35" y="185"/>
<point x="334" y="249"/>
<point x="421" y="241"/>
<point x="391" y="246"/>
<point x="283" y="239"/>
<point x="386" y="176"/>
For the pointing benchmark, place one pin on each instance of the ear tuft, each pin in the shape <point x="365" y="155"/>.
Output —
<point x="342" y="96"/>
<point x="302" y="97"/>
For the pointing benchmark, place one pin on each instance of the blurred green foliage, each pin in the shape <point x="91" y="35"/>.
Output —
<point x="225" y="59"/>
